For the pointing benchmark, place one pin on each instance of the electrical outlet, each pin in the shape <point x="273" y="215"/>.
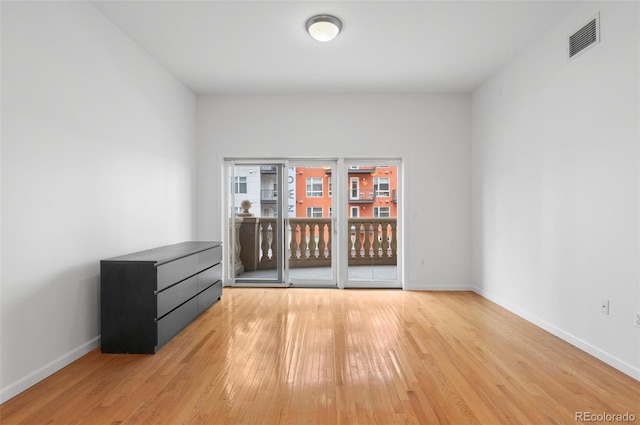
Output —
<point x="637" y="319"/>
<point x="604" y="307"/>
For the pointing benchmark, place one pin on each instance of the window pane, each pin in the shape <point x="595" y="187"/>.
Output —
<point x="355" y="188"/>
<point x="241" y="185"/>
<point x="381" y="186"/>
<point x="314" y="212"/>
<point x="381" y="212"/>
<point x="314" y="187"/>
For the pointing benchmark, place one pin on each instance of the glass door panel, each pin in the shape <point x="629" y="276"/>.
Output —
<point x="285" y="228"/>
<point x="310" y="224"/>
<point x="373" y="237"/>
<point x="255" y="223"/>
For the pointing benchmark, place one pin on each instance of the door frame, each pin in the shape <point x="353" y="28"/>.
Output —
<point x="228" y="204"/>
<point x="396" y="283"/>
<point x="332" y="282"/>
<point x="340" y="200"/>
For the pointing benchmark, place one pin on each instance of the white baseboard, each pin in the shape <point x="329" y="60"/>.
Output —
<point x="596" y="352"/>
<point x="431" y="287"/>
<point x="49" y="369"/>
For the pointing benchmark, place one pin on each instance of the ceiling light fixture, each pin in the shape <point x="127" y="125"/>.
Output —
<point x="324" y="27"/>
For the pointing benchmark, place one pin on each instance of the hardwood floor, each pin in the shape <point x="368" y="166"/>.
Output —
<point x="322" y="356"/>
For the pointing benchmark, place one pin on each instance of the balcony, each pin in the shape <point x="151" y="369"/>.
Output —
<point x="361" y="169"/>
<point x="268" y="169"/>
<point x="362" y="197"/>
<point x="356" y="169"/>
<point x="268" y="196"/>
<point x="371" y="242"/>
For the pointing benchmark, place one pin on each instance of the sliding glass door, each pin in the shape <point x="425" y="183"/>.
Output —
<point x="311" y="259"/>
<point x="373" y="236"/>
<point x="281" y="223"/>
<point x="256" y="219"/>
<point x="320" y="223"/>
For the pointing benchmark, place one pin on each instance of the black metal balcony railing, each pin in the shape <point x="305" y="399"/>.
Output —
<point x="367" y="169"/>
<point x="362" y="169"/>
<point x="362" y="197"/>
<point x="268" y="169"/>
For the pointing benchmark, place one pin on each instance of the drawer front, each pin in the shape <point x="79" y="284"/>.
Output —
<point x="177" y="270"/>
<point x="171" y="324"/>
<point x="209" y="257"/>
<point x="209" y="296"/>
<point x="209" y="277"/>
<point x="172" y="297"/>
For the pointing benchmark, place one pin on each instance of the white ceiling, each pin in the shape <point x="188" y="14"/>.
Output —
<point x="386" y="46"/>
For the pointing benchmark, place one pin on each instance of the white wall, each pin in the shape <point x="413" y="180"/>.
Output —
<point x="98" y="156"/>
<point x="431" y="133"/>
<point x="556" y="185"/>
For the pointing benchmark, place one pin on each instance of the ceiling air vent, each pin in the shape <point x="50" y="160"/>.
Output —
<point x="585" y="37"/>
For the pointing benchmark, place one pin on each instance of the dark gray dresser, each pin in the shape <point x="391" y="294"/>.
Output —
<point x="148" y="297"/>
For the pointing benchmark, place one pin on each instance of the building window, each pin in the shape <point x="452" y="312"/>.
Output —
<point x="381" y="212"/>
<point x="381" y="186"/>
<point x="330" y="187"/>
<point x="355" y="211"/>
<point x="314" y="212"/>
<point x="241" y="185"/>
<point x="354" y="188"/>
<point x="314" y="187"/>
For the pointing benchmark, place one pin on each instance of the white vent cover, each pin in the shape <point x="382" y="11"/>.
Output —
<point x="586" y="37"/>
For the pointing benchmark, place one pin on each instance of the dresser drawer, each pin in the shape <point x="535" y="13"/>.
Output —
<point x="209" y="296"/>
<point x="175" y="271"/>
<point x="209" y="257"/>
<point x="209" y="277"/>
<point x="175" y="295"/>
<point x="171" y="324"/>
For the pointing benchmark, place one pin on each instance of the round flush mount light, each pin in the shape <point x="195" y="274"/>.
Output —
<point x="324" y="27"/>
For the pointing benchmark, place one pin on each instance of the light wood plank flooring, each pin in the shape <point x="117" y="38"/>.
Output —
<point x="322" y="356"/>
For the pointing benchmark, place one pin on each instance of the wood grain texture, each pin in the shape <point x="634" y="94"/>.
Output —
<point x="322" y="356"/>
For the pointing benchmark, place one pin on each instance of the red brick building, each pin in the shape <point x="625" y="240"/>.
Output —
<point x="371" y="191"/>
